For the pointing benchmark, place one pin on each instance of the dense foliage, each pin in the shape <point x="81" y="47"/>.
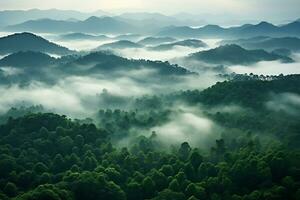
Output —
<point x="45" y="156"/>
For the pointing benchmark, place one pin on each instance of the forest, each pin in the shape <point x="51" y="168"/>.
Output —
<point x="46" y="156"/>
<point x="149" y="100"/>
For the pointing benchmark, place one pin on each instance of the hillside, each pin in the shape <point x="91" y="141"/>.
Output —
<point x="11" y="17"/>
<point x="27" y="59"/>
<point x="103" y="62"/>
<point x="90" y="25"/>
<point x="30" y="42"/>
<point x="191" y="43"/>
<point x="235" y="55"/>
<point x="83" y="36"/>
<point x="267" y="43"/>
<point x="74" y="159"/>
<point x="156" y="40"/>
<point x="122" y="44"/>
<point x="243" y="31"/>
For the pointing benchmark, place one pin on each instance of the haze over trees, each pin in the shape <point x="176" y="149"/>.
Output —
<point x="147" y="106"/>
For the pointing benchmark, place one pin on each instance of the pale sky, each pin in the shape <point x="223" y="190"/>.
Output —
<point x="264" y="9"/>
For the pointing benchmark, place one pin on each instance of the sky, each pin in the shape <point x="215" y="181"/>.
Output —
<point x="263" y="9"/>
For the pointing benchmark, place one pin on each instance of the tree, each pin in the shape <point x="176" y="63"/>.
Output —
<point x="167" y="170"/>
<point x="174" y="185"/>
<point x="168" y="194"/>
<point x="184" y="151"/>
<point x="196" y="159"/>
<point x="46" y="192"/>
<point x="148" y="188"/>
<point x="58" y="164"/>
<point x="91" y="186"/>
<point x="196" y="191"/>
<point x="40" y="168"/>
<point x="134" y="191"/>
<point x="10" y="189"/>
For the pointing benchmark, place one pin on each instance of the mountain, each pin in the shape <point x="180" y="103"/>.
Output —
<point x="27" y="59"/>
<point x="293" y="28"/>
<point x="211" y="31"/>
<point x="10" y="17"/>
<point x="146" y="16"/>
<point x="263" y="28"/>
<point x="156" y="40"/>
<point x="30" y="42"/>
<point x="90" y="25"/>
<point x="178" y="32"/>
<point x="267" y="43"/>
<point x="82" y="36"/>
<point x="122" y="44"/>
<point x="192" y="43"/>
<point x="148" y="21"/>
<point x="130" y="37"/>
<point x="108" y="64"/>
<point x="235" y="55"/>
<point x="244" y="31"/>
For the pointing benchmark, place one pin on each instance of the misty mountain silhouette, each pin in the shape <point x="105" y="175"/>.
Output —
<point x="156" y="40"/>
<point x="27" y="59"/>
<point x="91" y="25"/>
<point x="82" y="36"/>
<point x="11" y="17"/>
<point x="234" y="54"/>
<point x="267" y="43"/>
<point x="122" y="44"/>
<point x="29" y="42"/>
<point x="192" y="43"/>
<point x="106" y="63"/>
<point x="247" y="30"/>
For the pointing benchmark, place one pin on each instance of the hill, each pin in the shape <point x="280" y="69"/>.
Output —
<point x="122" y="44"/>
<point x="192" y="43"/>
<point x="11" y="17"/>
<point x="156" y="40"/>
<point x="244" y="31"/>
<point x="90" y="25"/>
<point x="107" y="63"/>
<point x="27" y="59"/>
<point x="235" y="55"/>
<point x="82" y="36"/>
<point x="30" y="42"/>
<point x="267" y="43"/>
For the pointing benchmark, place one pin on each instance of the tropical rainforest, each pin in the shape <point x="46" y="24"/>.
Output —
<point x="255" y="156"/>
<point x="147" y="105"/>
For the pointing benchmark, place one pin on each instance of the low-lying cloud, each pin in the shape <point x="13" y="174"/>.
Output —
<point x="268" y="68"/>
<point x="286" y="102"/>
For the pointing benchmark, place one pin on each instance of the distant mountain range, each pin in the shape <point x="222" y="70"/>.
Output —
<point x="192" y="43"/>
<point x="153" y="21"/>
<point x="122" y="44"/>
<point x="83" y="36"/>
<point x="244" y="31"/>
<point x="142" y="23"/>
<point x="267" y="43"/>
<point x="11" y="17"/>
<point x="30" y="42"/>
<point x="235" y="55"/>
<point x="156" y="40"/>
<point x="91" y="25"/>
<point x="146" y="19"/>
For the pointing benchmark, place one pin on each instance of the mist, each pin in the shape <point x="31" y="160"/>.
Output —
<point x="268" y="68"/>
<point x="190" y="125"/>
<point x="286" y="102"/>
